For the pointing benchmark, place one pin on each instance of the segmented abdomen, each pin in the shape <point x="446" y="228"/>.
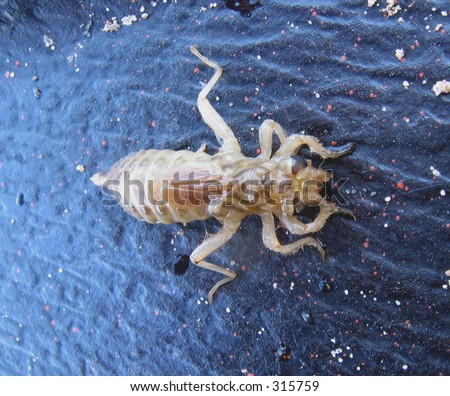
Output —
<point x="146" y="184"/>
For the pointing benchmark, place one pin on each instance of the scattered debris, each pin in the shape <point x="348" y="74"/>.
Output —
<point x="438" y="27"/>
<point x="37" y="93"/>
<point x="128" y="20"/>
<point x="447" y="272"/>
<point x="434" y="171"/>
<point x="336" y="352"/>
<point x="144" y="15"/>
<point x="371" y="3"/>
<point x="80" y="168"/>
<point x="405" y="84"/>
<point x="49" y="42"/>
<point x="399" y="54"/>
<point x="87" y="30"/>
<point x="391" y="8"/>
<point x="441" y="87"/>
<point x="35" y="78"/>
<point x="111" y="26"/>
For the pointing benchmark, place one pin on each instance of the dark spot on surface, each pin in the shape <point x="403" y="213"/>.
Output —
<point x="20" y="199"/>
<point x="182" y="265"/>
<point x="325" y="286"/>
<point x="283" y="352"/>
<point x="298" y="164"/>
<point x="309" y="214"/>
<point x="243" y="6"/>
<point x="307" y="317"/>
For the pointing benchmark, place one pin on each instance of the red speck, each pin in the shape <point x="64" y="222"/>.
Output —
<point x="53" y="322"/>
<point x="153" y="124"/>
<point x="397" y="217"/>
<point x="329" y="108"/>
<point x="17" y="63"/>
<point x="421" y="74"/>
<point x="104" y="143"/>
<point x="282" y="32"/>
<point x="356" y="321"/>
<point x="258" y="151"/>
<point x="406" y="188"/>
<point x="334" y="143"/>
<point x="244" y="268"/>
<point x="359" y="39"/>
<point x="412" y="47"/>
<point x="400" y="185"/>
<point x="351" y="92"/>
<point x="372" y="95"/>
<point x="366" y="244"/>
<point x="157" y="312"/>
<point x="343" y="58"/>
<point x="196" y="70"/>
<point x="375" y="273"/>
<point x="246" y="99"/>
<point x="75" y="329"/>
<point x="314" y="13"/>
<point x="47" y="308"/>
<point x="403" y="59"/>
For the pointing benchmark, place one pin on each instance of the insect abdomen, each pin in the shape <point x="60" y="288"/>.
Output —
<point x="142" y="183"/>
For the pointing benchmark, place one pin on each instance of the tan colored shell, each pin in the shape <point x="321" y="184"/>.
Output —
<point x="165" y="186"/>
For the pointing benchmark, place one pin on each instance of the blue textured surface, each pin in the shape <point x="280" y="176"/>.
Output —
<point x="86" y="289"/>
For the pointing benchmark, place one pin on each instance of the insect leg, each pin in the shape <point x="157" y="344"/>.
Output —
<point x="266" y="130"/>
<point x="211" y="244"/>
<point x="294" y="142"/>
<point x="296" y="227"/>
<point x="271" y="241"/>
<point x="223" y="132"/>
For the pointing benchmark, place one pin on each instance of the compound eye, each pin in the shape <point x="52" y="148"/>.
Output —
<point x="297" y="164"/>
